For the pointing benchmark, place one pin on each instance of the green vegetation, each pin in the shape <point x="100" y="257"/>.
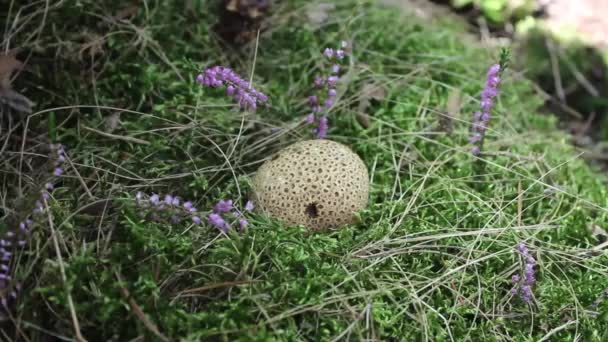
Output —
<point x="430" y="258"/>
<point x="500" y="11"/>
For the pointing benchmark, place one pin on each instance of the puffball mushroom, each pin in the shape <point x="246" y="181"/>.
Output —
<point x="316" y="183"/>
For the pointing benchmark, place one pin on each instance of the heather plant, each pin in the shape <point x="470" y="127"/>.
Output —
<point x="325" y="90"/>
<point x="481" y="119"/>
<point x="525" y="281"/>
<point x="16" y="238"/>
<point x="240" y="90"/>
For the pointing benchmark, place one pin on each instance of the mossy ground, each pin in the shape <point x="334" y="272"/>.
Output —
<point x="430" y="259"/>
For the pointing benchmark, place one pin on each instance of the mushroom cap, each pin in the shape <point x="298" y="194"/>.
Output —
<point x="317" y="183"/>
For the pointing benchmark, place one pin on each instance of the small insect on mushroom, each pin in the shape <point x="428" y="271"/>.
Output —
<point x="320" y="184"/>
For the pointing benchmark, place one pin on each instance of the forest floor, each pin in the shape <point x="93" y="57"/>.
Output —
<point x="508" y="244"/>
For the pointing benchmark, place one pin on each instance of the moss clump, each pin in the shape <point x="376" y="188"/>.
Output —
<point x="431" y="256"/>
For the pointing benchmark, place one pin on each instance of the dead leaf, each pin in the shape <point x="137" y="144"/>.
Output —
<point x="373" y="91"/>
<point x="94" y="44"/>
<point x="127" y="12"/>
<point x="318" y="14"/>
<point x="8" y="65"/>
<point x="599" y="232"/>
<point x="112" y="122"/>
<point x="16" y="101"/>
<point x="446" y="119"/>
<point x="369" y="92"/>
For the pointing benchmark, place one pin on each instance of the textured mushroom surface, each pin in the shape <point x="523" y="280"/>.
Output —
<point x="317" y="183"/>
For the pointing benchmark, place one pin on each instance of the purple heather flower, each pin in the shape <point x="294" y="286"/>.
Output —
<point x="217" y="221"/>
<point x="223" y="206"/>
<point x="239" y="89"/>
<point x="48" y="186"/>
<point x="188" y="205"/>
<point x="154" y="199"/>
<point x="326" y="91"/>
<point x="319" y="81"/>
<point x="482" y="119"/>
<point x="328" y="52"/>
<point x="332" y="80"/>
<point x="196" y="219"/>
<point x="528" y="276"/>
<point x="58" y="172"/>
<point x="310" y="118"/>
<point x="243" y="223"/>
<point x="322" y="128"/>
<point x="249" y="206"/>
<point x="46" y="195"/>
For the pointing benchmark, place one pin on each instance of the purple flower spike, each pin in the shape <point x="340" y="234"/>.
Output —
<point x="249" y="206"/>
<point x="223" y="206"/>
<point x="481" y="119"/>
<point x="324" y="100"/>
<point x="239" y="89"/>
<point x="525" y="282"/>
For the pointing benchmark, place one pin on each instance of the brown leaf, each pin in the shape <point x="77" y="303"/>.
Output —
<point x="446" y="119"/>
<point x="127" y="12"/>
<point x="112" y="122"/>
<point x="318" y="14"/>
<point x="16" y="101"/>
<point x="599" y="232"/>
<point x="8" y="65"/>
<point x="369" y="92"/>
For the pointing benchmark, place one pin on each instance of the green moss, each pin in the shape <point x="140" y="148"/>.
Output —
<point x="432" y="255"/>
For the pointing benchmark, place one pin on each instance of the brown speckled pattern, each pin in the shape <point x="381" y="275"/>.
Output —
<point x="317" y="183"/>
